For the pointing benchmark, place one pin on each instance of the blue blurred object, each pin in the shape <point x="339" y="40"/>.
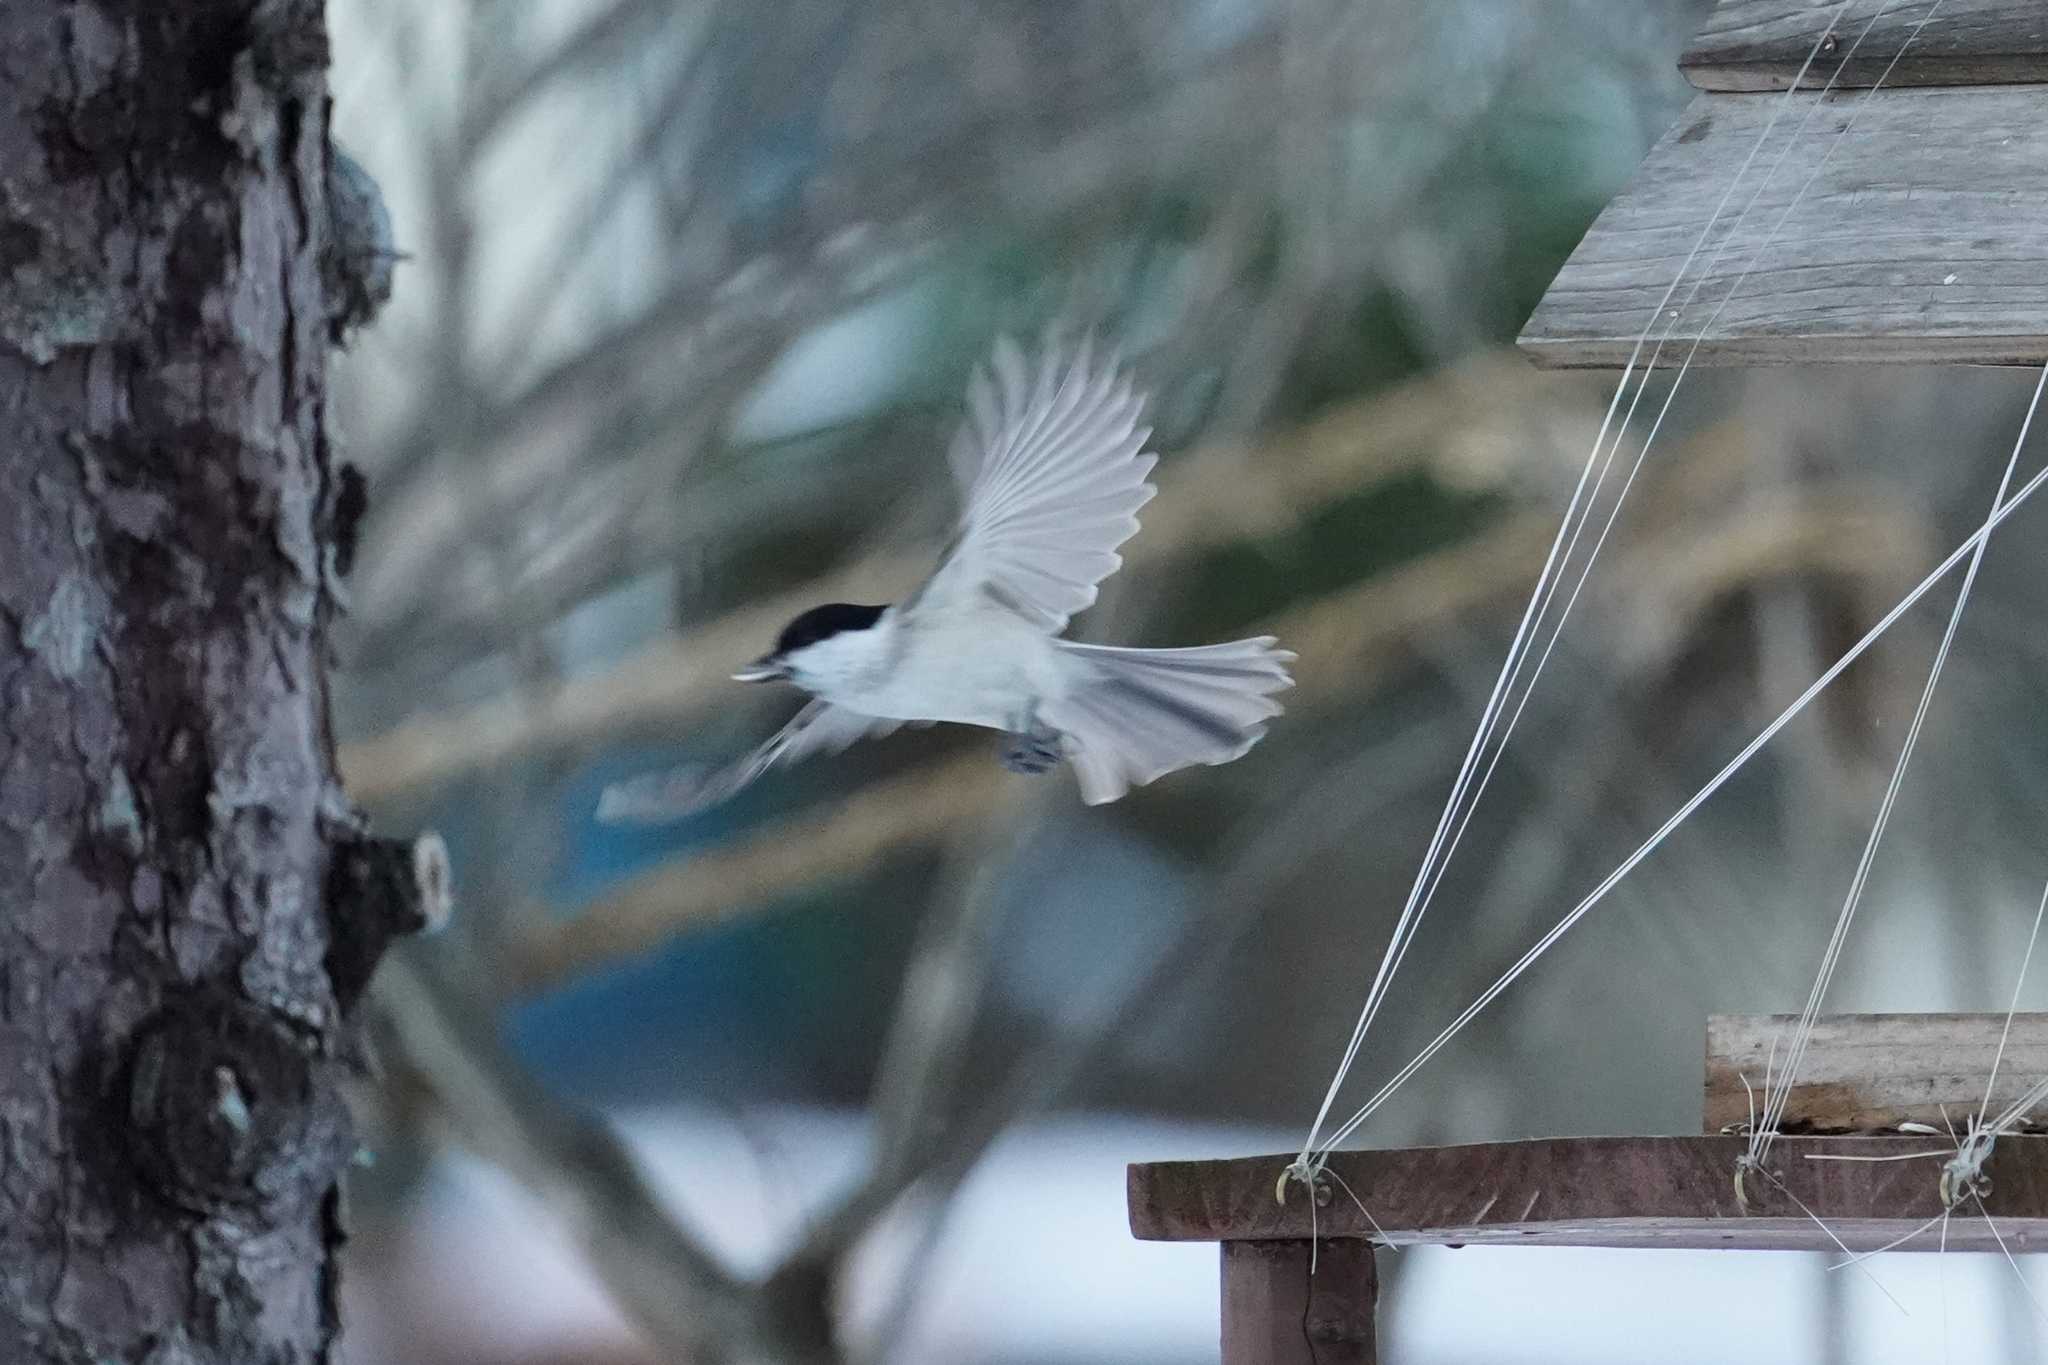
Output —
<point x="772" y="1003"/>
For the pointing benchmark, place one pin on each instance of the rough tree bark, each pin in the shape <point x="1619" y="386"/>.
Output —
<point x="185" y="894"/>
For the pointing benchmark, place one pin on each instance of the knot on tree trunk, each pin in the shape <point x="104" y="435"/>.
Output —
<point x="233" y="1110"/>
<point x="379" y="890"/>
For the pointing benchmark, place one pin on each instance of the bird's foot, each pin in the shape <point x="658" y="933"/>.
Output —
<point x="1034" y="750"/>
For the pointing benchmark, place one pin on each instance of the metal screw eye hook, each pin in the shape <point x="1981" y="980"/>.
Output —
<point x="1963" y="1176"/>
<point x="1744" y="1164"/>
<point x="1309" y="1174"/>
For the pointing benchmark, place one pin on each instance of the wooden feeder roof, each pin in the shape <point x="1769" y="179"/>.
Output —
<point x="1904" y="223"/>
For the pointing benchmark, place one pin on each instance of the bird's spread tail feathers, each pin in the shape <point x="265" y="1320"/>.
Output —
<point x="1132" y="715"/>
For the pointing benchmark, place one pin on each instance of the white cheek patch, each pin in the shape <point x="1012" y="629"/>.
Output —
<point x="837" y="659"/>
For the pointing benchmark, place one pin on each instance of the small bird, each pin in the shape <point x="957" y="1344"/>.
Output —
<point x="1051" y="465"/>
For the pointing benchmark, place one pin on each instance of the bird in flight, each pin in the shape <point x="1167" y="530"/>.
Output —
<point x="1051" y="467"/>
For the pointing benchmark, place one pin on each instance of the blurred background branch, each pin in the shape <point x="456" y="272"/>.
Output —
<point x="439" y="1032"/>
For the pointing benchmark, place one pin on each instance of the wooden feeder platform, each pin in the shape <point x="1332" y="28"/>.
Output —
<point x="1631" y="1192"/>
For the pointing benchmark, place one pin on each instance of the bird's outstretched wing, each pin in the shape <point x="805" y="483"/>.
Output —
<point x="1051" y="468"/>
<point x="660" y="797"/>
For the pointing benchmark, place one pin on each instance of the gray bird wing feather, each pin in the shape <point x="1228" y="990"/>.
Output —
<point x="1051" y="468"/>
<point x="655" y="798"/>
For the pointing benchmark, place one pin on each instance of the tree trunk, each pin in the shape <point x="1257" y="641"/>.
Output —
<point x="170" y="1127"/>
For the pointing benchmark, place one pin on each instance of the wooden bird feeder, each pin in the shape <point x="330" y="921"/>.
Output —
<point x="1901" y="216"/>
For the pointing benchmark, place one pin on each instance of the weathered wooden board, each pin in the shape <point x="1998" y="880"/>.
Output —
<point x="1923" y="237"/>
<point x="1761" y="44"/>
<point x="1866" y="1072"/>
<point x="1276" y="1312"/>
<point x="1603" y="1192"/>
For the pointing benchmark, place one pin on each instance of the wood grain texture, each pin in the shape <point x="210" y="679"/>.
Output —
<point x="1923" y="237"/>
<point x="1761" y="44"/>
<point x="1603" y="1192"/>
<point x="1866" y="1072"/>
<point x="1277" y="1311"/>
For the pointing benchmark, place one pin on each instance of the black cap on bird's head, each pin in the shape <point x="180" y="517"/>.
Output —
<point x="819" y="623"/>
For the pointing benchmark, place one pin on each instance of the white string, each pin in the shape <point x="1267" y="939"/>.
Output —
<point x="1951" y="1195"/>
<point x="1777" y="1098"/>
<point x="1539" y="600"/>
<point x="1964" y="1173"/>
<point x="1775" y="1102"/>
<point x="1398" y="946"/>
<point x="1868" y="1274"/>
<point x="1345" y="1185"/>
<point x="1889" y="1156"/>
<point x="1970" y="1191"/>
<point x="2026" y="959"/>
<point x="2025" y="1285"/>
<point x="1699" y="798"/>
<point x="1614" y="513"/>
<point x="1895" y="1243"/>
<point x="2009" y="1120"/>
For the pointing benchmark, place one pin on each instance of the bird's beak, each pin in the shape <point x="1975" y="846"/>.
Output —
<point x="767" y="668"/>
